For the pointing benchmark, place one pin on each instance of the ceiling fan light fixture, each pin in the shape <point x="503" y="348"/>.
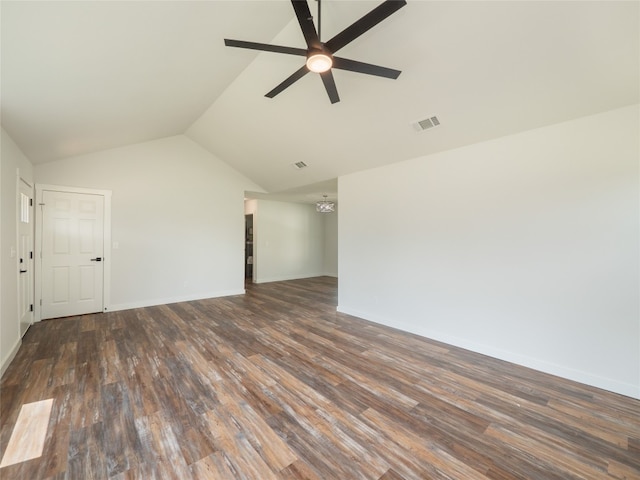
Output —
<point x="319" y="54"/>
<point x="319" y="62"/>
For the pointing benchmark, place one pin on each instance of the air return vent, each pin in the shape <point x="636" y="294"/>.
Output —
<point x="426" y="124"/>
<point x="300" y="165"/>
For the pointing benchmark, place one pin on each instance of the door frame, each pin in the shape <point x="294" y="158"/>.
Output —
<point x="106" y="274"/>
<point x="23" y="181"/>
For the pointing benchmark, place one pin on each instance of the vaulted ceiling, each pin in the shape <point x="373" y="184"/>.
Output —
<point x="83" y="76"/>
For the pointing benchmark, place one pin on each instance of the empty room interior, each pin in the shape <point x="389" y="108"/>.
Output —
<point x="336" y="239"/>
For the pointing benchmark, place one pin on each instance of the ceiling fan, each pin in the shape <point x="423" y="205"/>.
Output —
<point x="320" y="55"/>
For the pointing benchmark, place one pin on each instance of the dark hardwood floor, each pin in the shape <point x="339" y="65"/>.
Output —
<point x="275" y="385"/>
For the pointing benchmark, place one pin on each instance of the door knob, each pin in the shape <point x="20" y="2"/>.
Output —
<point x="97" y="259"/>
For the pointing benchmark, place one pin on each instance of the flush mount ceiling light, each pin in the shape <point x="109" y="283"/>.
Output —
<point x="325" y="206"/>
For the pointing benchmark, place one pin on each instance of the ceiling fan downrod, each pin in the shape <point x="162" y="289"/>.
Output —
<point x="319" y="20"/>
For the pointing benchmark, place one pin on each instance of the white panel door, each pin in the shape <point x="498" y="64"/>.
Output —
<point x="72" y="253"/>
<point x="25" y="258"/>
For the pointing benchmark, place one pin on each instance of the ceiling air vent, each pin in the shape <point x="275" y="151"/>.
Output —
<point x="300" y="165"/>
<point x="426" y="124"/>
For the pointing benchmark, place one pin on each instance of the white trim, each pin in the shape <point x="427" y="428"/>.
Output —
<point x="580" y="376"/>
<point x="12" y="354"/>
<point x="106" y="284"/>
<point x="165" y="301"/>
<point x="284" y="278"/>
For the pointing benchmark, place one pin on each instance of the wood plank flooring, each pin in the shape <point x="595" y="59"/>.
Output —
<point x="276" y="385"/>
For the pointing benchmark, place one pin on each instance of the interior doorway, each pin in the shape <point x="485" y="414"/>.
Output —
<point x="248" y="248"/>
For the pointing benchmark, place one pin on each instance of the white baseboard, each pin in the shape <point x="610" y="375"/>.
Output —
<point x="164" y="301"/>
<point x="284" y="278"/>
<point x="569" y="373"/>
<point x="9" y="358"/>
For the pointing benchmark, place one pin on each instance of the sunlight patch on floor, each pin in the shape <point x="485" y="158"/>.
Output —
<point x="29" y="433"/>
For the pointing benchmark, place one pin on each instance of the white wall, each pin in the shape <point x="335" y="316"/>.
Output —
<point x="11" y="160"/>
<point x="525" y="248"/>
<point x="177" y="215"/>
<point x="288" y="241"/>
<point x="330" y="260"/>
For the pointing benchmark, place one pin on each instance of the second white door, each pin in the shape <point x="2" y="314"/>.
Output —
<point x="72" y="254"/>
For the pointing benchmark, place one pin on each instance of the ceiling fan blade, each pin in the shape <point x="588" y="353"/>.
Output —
<point x="366" y="23"/>
<point x="360" y="67"/>
<point x="297" y="75"/>
<point x="265" y="47"/>
<point x="330" y="86"/>
<point x="305" y="19"/>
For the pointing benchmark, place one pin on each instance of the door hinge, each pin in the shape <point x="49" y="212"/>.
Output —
<point x="31" y="202"/>
<point x="31" y="307"/>
<point x="40" y="302"/>
<point x="31" y="255"/>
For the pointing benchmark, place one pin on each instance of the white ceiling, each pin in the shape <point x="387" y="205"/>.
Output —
<point x="83" y="76"/>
